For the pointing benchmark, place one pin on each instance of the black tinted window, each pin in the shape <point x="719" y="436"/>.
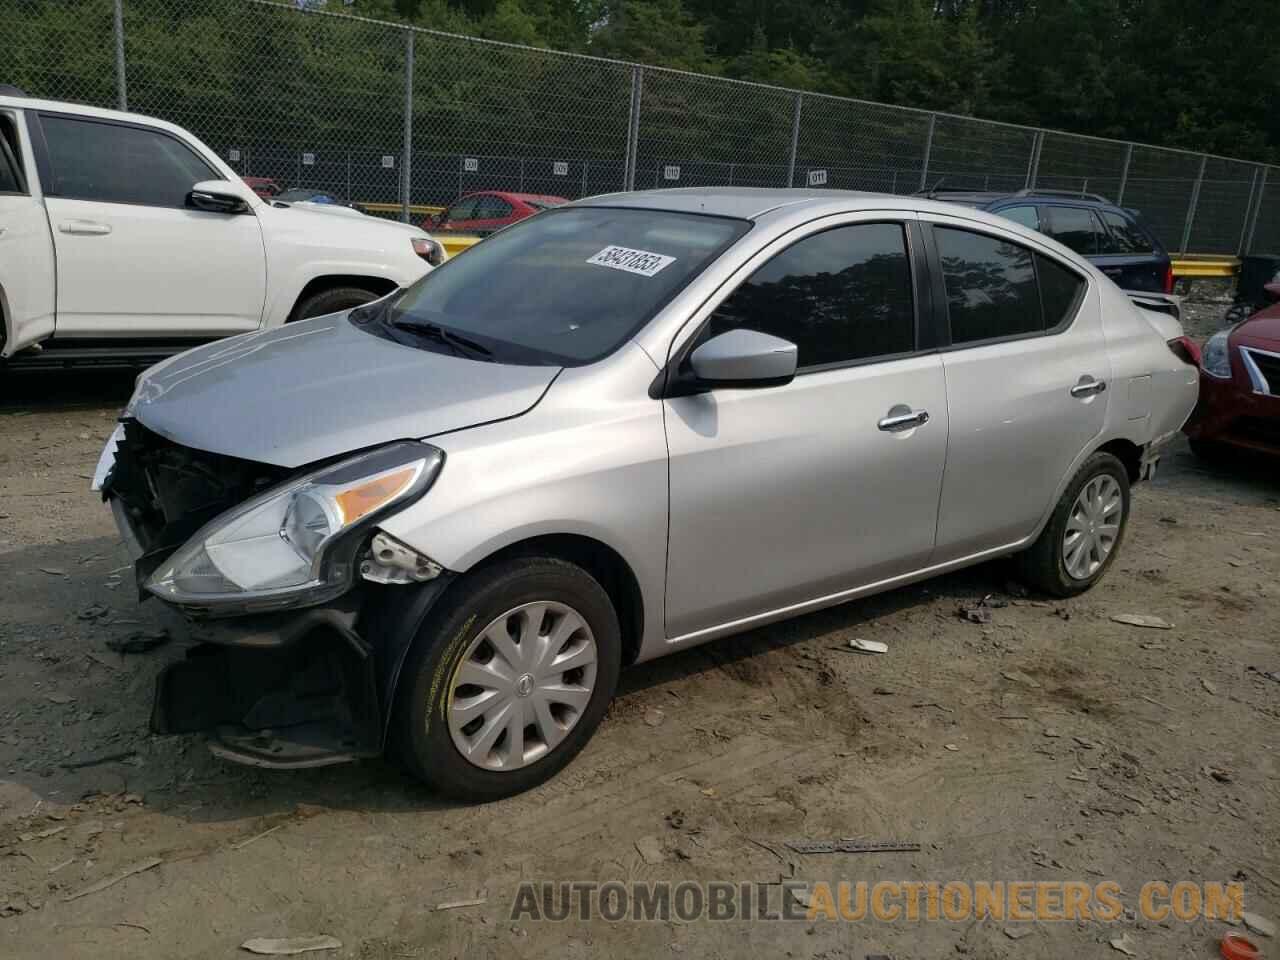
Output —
<point x="462" y="210"/>
<point x="1125" y="235"/>
<point x="1059" y="289"/>
<point x="567" y="286"/>
<point x="492" y="208"/>
<point x="841" y="295"/>
<point x="1076" y="228"/>
<point x="10" y="175"/>
<point x="991" y="286"/>
<point x="117" y="164"/>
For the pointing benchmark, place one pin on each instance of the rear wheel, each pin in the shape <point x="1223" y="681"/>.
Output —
<point x="331" y="301"/>
<point x="509" y="679"/>
<point x="1084" y="533"/>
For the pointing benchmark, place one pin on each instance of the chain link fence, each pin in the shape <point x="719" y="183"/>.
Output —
<point x="405" y="119"/>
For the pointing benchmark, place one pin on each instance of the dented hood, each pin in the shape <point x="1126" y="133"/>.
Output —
<point x="320" y="388"/>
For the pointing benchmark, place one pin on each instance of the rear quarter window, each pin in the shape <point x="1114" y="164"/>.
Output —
<point x="1125" y="236"/>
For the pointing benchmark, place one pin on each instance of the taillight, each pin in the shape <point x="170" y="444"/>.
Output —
<point x="1168" y="279"/>
<point x="1186" y="350"/>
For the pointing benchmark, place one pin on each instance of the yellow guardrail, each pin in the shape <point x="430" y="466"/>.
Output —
<point x="454" y="244"/>
<point x="1205" y="265"/>
<point x="416" y="209"/>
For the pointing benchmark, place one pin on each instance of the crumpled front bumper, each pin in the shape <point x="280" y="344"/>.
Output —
<point x="302" y="688"/>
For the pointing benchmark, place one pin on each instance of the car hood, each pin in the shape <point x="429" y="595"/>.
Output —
<point x="1263" y="326"/>
<point x="338" y="210"/>
<point x="316" y="389"/>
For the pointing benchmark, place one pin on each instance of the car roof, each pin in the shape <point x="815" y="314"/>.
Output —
<point x="86" y="110"/>
<point x="751" y="203"/>
<point x="512" y="195"/>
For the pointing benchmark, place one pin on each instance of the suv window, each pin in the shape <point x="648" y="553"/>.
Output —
<point x="1075" y="228"/>
<point x="1125" y="236"/>
<point x="113" y="163"/>
<point x="840" y="295"/>
<point x="1027" y="216"/>
<point x="10" y="168"/>
<point x="996" y="288"/>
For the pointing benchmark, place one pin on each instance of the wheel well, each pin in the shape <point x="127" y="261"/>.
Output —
<point x="379" y="285"/>
<point x="602" y="562"/>
<point x="1128" y="453"/>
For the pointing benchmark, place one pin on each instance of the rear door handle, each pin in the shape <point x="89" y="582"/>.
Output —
<point x="88" y="228"/>
<point x="1088" y="387"/>
<point x="903" y="421"/>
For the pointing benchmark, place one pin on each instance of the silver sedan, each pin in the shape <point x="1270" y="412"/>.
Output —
<point x="447" y="519"/>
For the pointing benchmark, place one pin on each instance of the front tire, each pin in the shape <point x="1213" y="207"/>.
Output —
<point x="1084" y="533"/>
<point x="508" y="679"/>
<point x="333" y="300"/>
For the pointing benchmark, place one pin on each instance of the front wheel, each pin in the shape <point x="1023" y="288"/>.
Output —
<point x="509" y="678"/>
<point x="329" y="301"/>
<point x="1084" y="533"/>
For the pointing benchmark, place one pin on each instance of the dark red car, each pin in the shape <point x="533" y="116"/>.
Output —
<point x="483" y="213"/>
<point x="1239" y="404"/>
<point x="264" y="187"/>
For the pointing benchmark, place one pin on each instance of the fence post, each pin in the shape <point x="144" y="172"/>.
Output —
<point x="928" y="151"/>
<point x="122" y="87"/>
<point x="1262" y="187"/>
<point x="1033" y="162"/>
<point x="633" y="129"/>
<point x="795" y="140"/>
<point x="406" y="154"/>
<point x="1124" y="175"/>
<point x="1191" y="207"/>
<point x="1248" y="210"/>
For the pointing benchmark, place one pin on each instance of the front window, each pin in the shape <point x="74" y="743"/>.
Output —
<point x="565" y="288"/>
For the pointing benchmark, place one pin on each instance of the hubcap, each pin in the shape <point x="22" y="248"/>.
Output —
<point x="522" y="685"/>
<point x="1092" y="527"/>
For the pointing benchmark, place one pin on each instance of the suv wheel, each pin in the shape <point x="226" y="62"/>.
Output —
<point x="331" y="301"/>
<point x="1084" y="534"/>
<point x="508" y="680"/>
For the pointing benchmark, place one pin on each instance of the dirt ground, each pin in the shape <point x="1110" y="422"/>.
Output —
<point x="1052" y="743"/>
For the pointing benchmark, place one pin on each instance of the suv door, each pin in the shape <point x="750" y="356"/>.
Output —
<point x="1026" y="370"/>
<point x="1129" y="255"/>
<point x="789" y="494"/>
<point x="26" y="250"/>
<point x="133" y="260"/>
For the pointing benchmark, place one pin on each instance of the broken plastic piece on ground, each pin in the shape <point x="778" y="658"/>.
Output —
<point x="1236" y="947"/>
<point x="140" y="641"/>
<point x="1143" y="620"/>
<point x="1258" y="924"/>
<point x="868" y="646"/>
<point x="283" y="946"/>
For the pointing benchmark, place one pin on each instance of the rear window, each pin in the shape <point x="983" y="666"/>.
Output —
<point x="569" y="286"/>
<point x="1125" y="235"/>
<point x="1075" y="228"/>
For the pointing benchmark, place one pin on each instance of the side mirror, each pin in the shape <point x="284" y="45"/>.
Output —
<point x="744" y="358"/>
<point x="1271" y="292"/>
<point x="219" y="196"/>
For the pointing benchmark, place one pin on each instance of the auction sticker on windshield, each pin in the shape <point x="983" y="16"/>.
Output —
<point x="632" y="261"/>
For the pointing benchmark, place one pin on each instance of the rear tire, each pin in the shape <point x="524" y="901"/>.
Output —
<point x="333" y="300"/>
<point x="435" y="694"/>
<point x="1045" y="564"/>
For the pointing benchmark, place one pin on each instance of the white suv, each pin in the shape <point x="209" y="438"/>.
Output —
<point x="122" y="236"/>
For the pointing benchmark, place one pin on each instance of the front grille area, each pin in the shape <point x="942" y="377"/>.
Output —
<point x="169" y="491"/>
<point x="1269" y="366"/>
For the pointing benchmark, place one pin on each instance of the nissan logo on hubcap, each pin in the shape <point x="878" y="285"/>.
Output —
<point x="524" y="686"/>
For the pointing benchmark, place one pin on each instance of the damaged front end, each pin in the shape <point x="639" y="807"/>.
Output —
<point x="300" y="608"/>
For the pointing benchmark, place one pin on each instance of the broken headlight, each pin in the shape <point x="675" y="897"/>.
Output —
<point x="296" y="543"/>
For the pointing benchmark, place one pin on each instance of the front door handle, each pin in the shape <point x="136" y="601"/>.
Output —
<point x="1088" y="387"/>
<point x="88" y="228"/>
<point x="897" y="422"/>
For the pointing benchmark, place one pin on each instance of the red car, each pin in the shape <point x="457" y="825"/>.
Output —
<point x="264" y="187"/>
<point x="483" y="213"/>
<point x="1239" y="404"/>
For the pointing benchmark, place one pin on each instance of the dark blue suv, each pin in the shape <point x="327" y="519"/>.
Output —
<point x="1116" y="240"/>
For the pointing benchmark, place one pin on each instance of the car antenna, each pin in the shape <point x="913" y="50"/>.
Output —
<point x="934" y="189"/>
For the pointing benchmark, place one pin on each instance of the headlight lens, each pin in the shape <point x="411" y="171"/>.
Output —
<point x="294" y="544"/>
<point x="1215" y="360"/>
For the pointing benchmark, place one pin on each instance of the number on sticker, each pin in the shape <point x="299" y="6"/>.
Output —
<point x="670" y="172"/>
<point x="560" y="168"/>
<point x="817" y="178"/>
<point x="470" y="164"/>
<point x="642" y="262"/>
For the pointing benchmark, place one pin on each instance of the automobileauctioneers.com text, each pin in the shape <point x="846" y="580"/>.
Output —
<point x="909" y="901"/>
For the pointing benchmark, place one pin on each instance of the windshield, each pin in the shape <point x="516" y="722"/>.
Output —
<point x="568" y="286"/>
